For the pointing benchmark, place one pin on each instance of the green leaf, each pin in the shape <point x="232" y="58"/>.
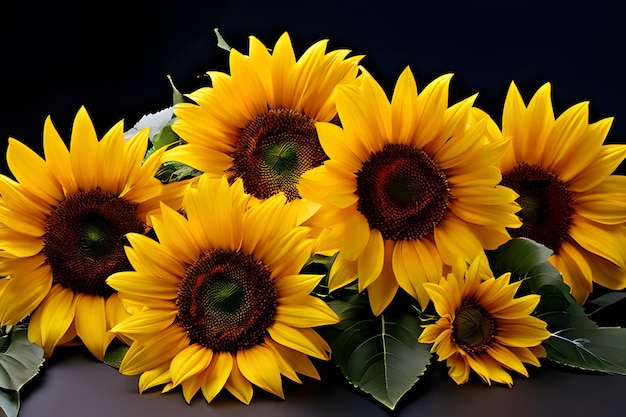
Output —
<point x="21" y="361"/>
<point x="177" y="96"/>
<point x="379" y="355"/>
<point x="606" y="300"/>
<point x="601" y="349"/>
<point x="576" y="341"/>
<point x="527" y="260"/>
<point x="221" y="43"/>
<point x="175" y="171"/>
<point x="115" y="353"/>
<point x="165" y="137"/>
<point x="9" y="403"/>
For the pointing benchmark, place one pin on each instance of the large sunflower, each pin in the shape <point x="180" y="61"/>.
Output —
<point x="570" y="200"/>
<point x="258" y="123"/>
<point x="482" y="326"/>
<point x="62" y="227"/>
<point x="220" y="301"/>
<point x="410" y="186"/>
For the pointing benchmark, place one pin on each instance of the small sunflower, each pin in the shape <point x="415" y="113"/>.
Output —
<point x="62" y="227"/>
<point x="258" y="123"/>
<point x="222" y="303"/>
<point x="410" y="186"/>
<point x="482" y="326"/>
<point x="570" y="201"/>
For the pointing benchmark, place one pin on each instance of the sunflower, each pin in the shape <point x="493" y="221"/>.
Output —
<point x="570" y="201"/>
<point x="62" y="227"/>
<point x="258" y="123"/>
<point x="219" y="301"/>
<point x="482" y="326"/>
<point x="410" y="186"/>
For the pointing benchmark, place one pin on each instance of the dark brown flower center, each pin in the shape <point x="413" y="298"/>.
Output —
<point x="546" y="204"/>
<point x="473" y="327"/>
<point x="402" y="192"/>
<point x="84" y="240"/>
<point x="226" y="301"/>
<point x="274" y="150"/>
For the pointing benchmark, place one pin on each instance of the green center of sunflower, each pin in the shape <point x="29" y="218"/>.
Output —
<point x="225" y="297"/>
<point x="273" y="151"/>
<point x="546" y="204"/>
<point x="282" y="159"/>
<point x="402" y="192"/>
<point x="226" y="301"/>
<point x="473" y="328"/>
<point x="93" y="240"/>
<point x="84" y="240"/>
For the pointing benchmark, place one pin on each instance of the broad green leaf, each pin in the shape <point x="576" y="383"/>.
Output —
<point x="601" y="349"/>
<point x="9" y="403"/>
<point x="527" y="260"/>
<point x="576" y="340"/>
<point x="115" y="354"/>
<point x="379" y="355"/>
<point x="21" y="361"/>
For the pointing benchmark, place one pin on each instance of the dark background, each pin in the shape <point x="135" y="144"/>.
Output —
<point x="113" y="56"/>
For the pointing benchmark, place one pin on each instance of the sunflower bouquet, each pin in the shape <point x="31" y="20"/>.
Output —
<point x="292" y="213"/>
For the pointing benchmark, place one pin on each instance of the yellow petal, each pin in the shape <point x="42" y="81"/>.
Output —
<point x="19" y="244"/>
<point x="31" y="171"/>
<point x="173" y="233"/>
<point x="137" y="283"/>
<point x="238" y="385"/>
<point x="384" y="288"/>
<point x="432" y="104"/>
<point x="155" y="352"/>
<point x="371" y="262"/>
<point x="454" y="240"/>
<point x="115" y="314"/>
<point x="154" y="377"/>
<point x="165" y="266"/>
<point x="342" y="272"/>
<point x="330" y="136"/>
<point x="259" y="366"/>
<point x="147" y="321"/>
<point x="21" y="294"/>
<point x="291" y="362"/>
<point x="459" y="369"/>
<point x="51" y="320"/>
<point x="217" y="374"/>
<point x="91" y="324"/>
<point x="409" y="270"/>
<point x="598" y="239"/>
<point x="507" y="358"/>
<point x="58" y="158"/>
<point x="190" y="362"/>
<point x="302" y="340"/>
<point x="83" y="150"/>
<point x="404" y="108"/>
<point x="308" y="312"/>
<point x="300" y="285"/>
